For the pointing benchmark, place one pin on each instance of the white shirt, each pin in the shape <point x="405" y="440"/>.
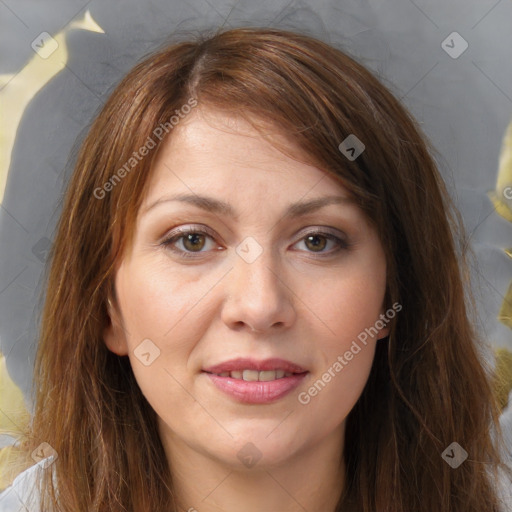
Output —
<point x="22" y="495"/>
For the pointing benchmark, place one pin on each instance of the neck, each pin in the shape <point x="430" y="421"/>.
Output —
<point x="309" y="480"/>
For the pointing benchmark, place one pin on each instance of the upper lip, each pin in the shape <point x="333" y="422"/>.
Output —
<point x="253" y="364"/>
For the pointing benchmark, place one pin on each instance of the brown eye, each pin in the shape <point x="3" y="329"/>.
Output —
<point x="316" y="243"/>
<point x="323" y="243"/>
<point x="193" y="241"/>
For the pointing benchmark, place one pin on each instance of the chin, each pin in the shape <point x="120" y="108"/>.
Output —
<point x="261" y="448"/>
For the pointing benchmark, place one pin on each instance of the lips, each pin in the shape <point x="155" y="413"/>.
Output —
<point x="242" y="364"/>
<point x="256" y="382"/>
<point x="255" y="375"/>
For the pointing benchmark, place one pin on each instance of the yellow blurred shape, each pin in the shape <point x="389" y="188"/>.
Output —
<point x="503" y="376"/>
<point x="19" y="89"/>
<point x="502" y="195"/>
<point x="502" y="200"/>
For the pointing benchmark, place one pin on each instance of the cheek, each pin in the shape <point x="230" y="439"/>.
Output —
<point x="334" y="392"/>
<point x="348" y="307"/>
<point x="162" y="329"/>
<point x="349" y="310"/>
<point x="349" y="304"/>
<point x="159" y="302"/>
<point x="170" y="308"/>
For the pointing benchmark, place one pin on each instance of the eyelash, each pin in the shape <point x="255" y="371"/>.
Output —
<point x="180" y="233"/>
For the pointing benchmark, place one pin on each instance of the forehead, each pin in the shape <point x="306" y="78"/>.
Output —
<point x="225" y="155"/>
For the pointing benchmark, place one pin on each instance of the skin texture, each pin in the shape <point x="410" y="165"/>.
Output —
<point x="296" y="301"/>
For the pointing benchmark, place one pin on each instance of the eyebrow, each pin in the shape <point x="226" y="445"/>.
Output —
<point x="217" y="206"/>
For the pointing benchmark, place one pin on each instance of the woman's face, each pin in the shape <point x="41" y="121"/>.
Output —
<point x="244" y="294"/>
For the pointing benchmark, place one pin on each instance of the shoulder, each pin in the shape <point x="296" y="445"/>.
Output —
<point x="504" y="487"/>
<point x="22" y="495"/>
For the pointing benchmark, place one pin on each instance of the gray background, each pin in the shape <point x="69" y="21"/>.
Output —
<point x="463" y="104"/>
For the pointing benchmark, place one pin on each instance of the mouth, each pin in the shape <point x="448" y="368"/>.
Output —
<point x="255" y="376"/>
<point x="244" y="364"/>
<point x="256" y="382"/>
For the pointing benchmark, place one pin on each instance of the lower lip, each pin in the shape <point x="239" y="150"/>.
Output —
<point x="257" y="392"/>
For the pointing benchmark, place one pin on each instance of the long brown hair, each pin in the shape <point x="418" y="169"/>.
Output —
<point x="428" y="386"/>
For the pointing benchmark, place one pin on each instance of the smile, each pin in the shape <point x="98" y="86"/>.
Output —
<point x="254" y="375"/>
<point x="255" y="382"/>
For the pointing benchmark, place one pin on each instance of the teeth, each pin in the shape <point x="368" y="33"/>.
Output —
<point x="250" y="375"/>
<point x="254" y="375"/>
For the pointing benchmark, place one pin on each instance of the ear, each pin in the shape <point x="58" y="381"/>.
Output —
<point x="114" y="334"/>
<point x="383" y="324"/>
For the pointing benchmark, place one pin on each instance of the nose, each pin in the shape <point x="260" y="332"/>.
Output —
<point x="257" y="295"/>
